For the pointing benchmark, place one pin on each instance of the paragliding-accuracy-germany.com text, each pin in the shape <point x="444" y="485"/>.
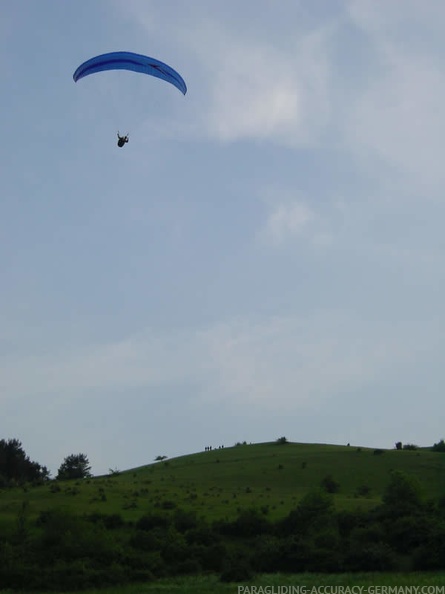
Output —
<point x="341" y="589"/>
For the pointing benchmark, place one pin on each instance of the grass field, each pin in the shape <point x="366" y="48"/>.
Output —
<point x="305" y="583"/>
<point x="217" y="483"/>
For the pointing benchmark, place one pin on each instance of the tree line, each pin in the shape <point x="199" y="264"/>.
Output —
<point x="60" y="550"/>
<point x="16" y="468"/>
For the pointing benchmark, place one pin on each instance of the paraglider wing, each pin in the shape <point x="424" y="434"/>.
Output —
<point x="134" y="62"/>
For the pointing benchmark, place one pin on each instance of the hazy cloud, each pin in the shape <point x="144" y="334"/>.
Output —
<point x="287" y="220"/>
<point x="400" y="116"/>
<point x="285" y="360"/>
<point x="249" y="87"/>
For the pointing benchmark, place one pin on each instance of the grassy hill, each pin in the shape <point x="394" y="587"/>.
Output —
<point x="216" y="484"/>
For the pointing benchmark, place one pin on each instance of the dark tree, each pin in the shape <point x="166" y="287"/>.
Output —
<point x="398" y="445"/>
<point x="281" y="440"/>
<point x="15" y="465"/>
<point x="75" y="466"/>
<point x="439" y="446"/>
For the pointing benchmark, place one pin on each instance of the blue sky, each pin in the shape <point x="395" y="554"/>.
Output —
<point x="266" y="255"/>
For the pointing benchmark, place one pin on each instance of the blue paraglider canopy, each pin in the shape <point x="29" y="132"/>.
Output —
<point x="134" y="62"/>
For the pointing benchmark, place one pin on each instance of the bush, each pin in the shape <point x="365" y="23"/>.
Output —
<point x="175" y="549"/>
<point x="250" y="522"/>
<point x="370" y="557"/>
<point x="348" y="520"/>
<point x="430" y="556"/>
<point x="237" y="569"/>
<point x="315" y="509"/>
<point x="366" y="534"/>
<point x="168" y="504"/>
<point x="329" y="484"/>
<point x="150" y="521"/>
<point x="267" y="554"/>
<point x="108" y="521"/>
<point x="188" y="567"/>
<point x="406" y="533"/>
<point x="363" y="491"/>
<point x="293" y="554"/>
<point x="202" y="535"/>
<point x="184" y="520"/>
<point x="66" y="537"/>
<point x="402" y="495"/>
<point x="146" y="541"/>
<point x="212" y="558"/>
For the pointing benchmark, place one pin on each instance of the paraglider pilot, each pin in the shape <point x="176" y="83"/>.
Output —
<point x="122" y="140"/>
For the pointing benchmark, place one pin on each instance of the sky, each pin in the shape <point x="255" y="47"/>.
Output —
<point x="264" y="258"/>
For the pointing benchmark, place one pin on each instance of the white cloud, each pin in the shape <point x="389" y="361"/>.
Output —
<point x="287" y="216"/>
<point x="244" y="103"/>
<point x="287" y="220"/>
<point x="259" y="91"/>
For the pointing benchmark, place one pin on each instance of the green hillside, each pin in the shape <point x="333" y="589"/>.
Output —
<point x="217" y="483"/>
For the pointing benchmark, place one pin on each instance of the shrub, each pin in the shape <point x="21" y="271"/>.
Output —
<point x="363" y="491"/>
<point x="212" y="557"/>
<point x="348" y="520"/>
<point x="237" y="569"/>
<point x="267" y="554"/>
<point x="293" y="554"/>
<point x="281" y="440"/>
<point x="430" y="555"/>
<point x="188" y="567"/>
<point x="366" y="534"/>
<point x="108" y="521"/>
<point x="406" y="533"/>
<point x="202" y="535"/>
<point x="370" y="557"/>
<point x="402" y="494"/>
<point x="150" y="521"/>
<point x="329" y="484"/>
<point x="184" y="520"/>
<point x="145" y="541"/>
<point x="314" y="510"/>
<point x="250" y="522"/>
